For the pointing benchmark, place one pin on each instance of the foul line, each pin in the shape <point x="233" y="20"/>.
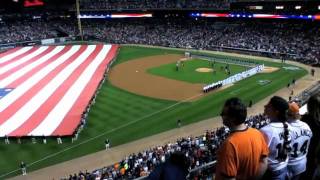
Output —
<point x="112" y="130"/>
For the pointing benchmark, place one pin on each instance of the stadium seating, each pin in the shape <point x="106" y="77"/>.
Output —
<point x="298" y="41"/>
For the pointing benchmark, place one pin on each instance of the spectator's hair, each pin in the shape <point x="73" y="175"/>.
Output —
<point x="237" y="110"/>
<point x="282" y="106"/>
<point x="180" y="160"/>
<point x="314" y="108"/>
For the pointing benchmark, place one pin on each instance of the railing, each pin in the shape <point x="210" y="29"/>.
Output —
<point x="304" y="96"/>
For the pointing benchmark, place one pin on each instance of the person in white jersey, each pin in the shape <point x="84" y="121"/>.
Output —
<point x="278" y="138"/>
<point x="301" y="135"/>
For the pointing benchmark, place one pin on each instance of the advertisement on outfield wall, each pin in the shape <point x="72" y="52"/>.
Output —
<point x="5" y="47"/>
<point x="47" y="41"/>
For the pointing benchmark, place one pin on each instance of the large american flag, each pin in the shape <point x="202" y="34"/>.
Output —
<point x="45" y="89"/>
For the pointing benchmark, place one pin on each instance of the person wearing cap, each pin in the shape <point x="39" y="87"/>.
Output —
<point x="301" y="135"/>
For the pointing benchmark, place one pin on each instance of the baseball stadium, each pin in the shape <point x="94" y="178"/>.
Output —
<point x="159" y="89"/>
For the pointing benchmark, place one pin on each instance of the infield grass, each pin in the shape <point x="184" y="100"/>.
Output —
<point x="188" y="72"/>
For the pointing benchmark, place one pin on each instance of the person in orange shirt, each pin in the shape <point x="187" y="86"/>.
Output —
<point x="243" y="155"/>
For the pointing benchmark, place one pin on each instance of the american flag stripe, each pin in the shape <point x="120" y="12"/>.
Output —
<point x="30" y="86"/>
<point x="35" y="78"/>
<point x="28" y="74"/>
<point x="45" y="99"/>
<point x="53" y="99"/>
<point x="75" y="112"/>
<point x="12" y="53"/>
<point x="39" y="97"/>
<point x="18" y="57"/>
<point x="51" y="122"/>
<point x="15" y="73"/>
<point x="19" y="103"/>
<point x="8" y="112"/>
<point x="16" y="63"/>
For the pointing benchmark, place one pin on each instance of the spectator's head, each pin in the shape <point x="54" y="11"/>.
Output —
<point x="234" y="112"/>
<point x="175" y="168"/>
<point x="293" y="112"/>
<point x="314" y="107"/>
<point x="277" y="109"/>
<point x="179" y="159"/>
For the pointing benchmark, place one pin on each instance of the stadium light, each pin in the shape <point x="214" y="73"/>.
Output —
<point x="279" y="7"/>
<point x="298" y="7"/>
<point x="319" y="7"/>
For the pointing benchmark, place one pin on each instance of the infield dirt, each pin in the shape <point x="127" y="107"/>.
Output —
<point x="133" y="77"/>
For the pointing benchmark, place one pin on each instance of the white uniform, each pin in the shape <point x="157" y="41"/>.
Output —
<point x="274" y="133"/>
<point x="301" y="135"/>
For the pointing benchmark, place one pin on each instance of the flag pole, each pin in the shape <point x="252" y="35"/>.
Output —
<point x="78" y="18"/>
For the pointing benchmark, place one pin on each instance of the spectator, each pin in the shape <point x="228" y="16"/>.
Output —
<point x="277" y="137"/>
<point x="243" y="155"/>
<point x="316" y="175"/>
<point x="312" y="118"/>
<point x="300" y="135"/>
<point x="176" y="168"/>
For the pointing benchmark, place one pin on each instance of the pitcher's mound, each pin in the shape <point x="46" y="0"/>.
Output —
<point x="269" y="69"/>
<point x="204" y="70"/>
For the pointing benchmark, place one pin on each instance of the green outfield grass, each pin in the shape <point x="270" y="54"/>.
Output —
<point x="123" y="117"/>
<point x="188" y="72"/>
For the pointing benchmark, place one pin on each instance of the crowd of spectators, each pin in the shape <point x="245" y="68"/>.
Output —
<point x="25" y="31"/>
<point x="298" y="41"/>
<point x="199" y="151"/>
<point x="154" y="4"/>
<point x="19" y="31"/>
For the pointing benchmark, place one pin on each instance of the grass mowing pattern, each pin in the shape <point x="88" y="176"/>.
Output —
<point x="188" y="73"/>
<point x="115" y="107"/>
